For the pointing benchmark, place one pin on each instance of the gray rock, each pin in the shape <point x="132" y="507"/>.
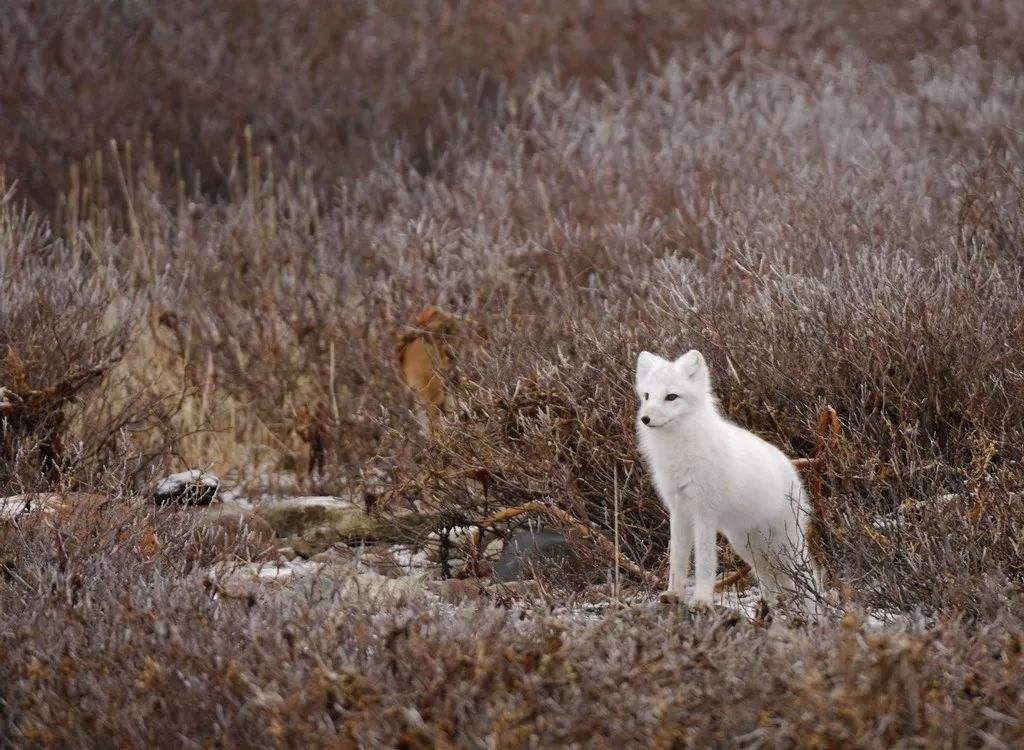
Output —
<point x="297" y="516"/>
<point x="526" y="550"/>
<point x="239" y="581"/>
<point x="191" y="487"/>
<point x="19" y="510"/>
<point x="375" y="559"/>
<point x="231" y="522"/>
<point x="227" y="524"/>
<point x="457" y="591"/>
<point x="314" y="524"/>
<point x="382" y="560"/>
<point x="340" y="555"/>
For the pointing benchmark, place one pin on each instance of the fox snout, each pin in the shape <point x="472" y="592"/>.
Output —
<point x="645" y="420"/>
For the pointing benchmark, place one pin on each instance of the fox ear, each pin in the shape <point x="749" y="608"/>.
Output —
<point x="692" y="363"/>
<point x="645" y="362"/>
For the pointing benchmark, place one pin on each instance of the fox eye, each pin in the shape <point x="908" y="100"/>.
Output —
<point x="647" y="396"/>
<point x="672" y="397"/>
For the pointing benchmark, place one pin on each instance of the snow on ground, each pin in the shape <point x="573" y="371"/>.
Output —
<point x="415" y="561"/>
<point x="12" y="507"/>
<point x="314" y="501"/>
<point x="173" y="482"/>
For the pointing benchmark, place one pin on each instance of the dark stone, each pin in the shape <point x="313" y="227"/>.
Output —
<point x="192" y="487"/>
<point x="526" y="550"/>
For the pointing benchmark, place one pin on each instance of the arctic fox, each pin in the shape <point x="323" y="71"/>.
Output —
<point x="715" y="476"/>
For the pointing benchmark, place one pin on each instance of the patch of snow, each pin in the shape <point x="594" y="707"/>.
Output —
<point x="12" y="507"/>
<point x="174" y="482"/>
<point x="453" y="533"/>
<point x="890" y="522"/>
<point x="888" y="619"/>
<point x="234" y="495"/>
<point x="314" y="501"/>
<point x="411" y="558"/>
<point x="887" y="523"/>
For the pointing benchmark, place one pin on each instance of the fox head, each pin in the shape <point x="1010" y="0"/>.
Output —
<point x="670" y="390"/>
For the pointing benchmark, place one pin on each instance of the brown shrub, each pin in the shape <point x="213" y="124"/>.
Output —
<point x="103" y="646"/>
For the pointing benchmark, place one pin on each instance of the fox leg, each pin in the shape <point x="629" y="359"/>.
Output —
<point x="679" y="548"/>
<point x="705" y="563"/>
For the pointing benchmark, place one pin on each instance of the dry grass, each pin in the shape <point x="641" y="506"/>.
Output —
<point x="826" y="201"/>
<point x="105" y="646"/>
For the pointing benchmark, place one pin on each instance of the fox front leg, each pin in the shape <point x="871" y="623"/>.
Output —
<point x="679" y="548"/>
<point x="705" y="564"/>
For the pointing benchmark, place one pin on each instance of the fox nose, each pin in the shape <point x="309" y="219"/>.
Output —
<point x="645" y="420"/>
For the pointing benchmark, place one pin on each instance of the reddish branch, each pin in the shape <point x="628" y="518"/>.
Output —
<point x="567" y="520"/>
<point x="27" y="411"/>
<point x="312" y="428"/>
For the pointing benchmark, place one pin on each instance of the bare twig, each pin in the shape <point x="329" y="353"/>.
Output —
<point x="569" y="521"/>
<point x="615" y="593"/>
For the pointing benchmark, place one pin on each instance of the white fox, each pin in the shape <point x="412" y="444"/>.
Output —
<point x="715" y="476"/>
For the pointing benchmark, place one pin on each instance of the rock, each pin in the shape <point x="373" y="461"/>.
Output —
<point x="514" y="591"/>
<point x="298" y="516"/>
<point x="19" y="507"/>
<point x="315" y="524"/>
<point x="322" y="539"/>
<point x="493" y="549"/>
<point x="18" y="510"/>
<point x="236" y="581"/>
<point x="191" y="487"/>
<point x="595" y="595"/>
<point x="381" y="560"/>
<point x="231" y="523"/>
<point x="525" y="550"/>
<point x="239" y="581"/>
<point x="370" y="585"/>
<point x="225" y="522"/>
<point x="78" y="513"/>
<point x="211" y="513"/>
<point x="342" y="555"/>
<point x="457" y="591"/>
<point x="411" y="558"/>
<point x="376" y="559"/>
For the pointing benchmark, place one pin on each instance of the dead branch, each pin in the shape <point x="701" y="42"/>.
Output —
<point x="26" y="410"/>
<point x="828" y="435"/>
<point x="311" y="426"/>
<point x="569" y="521"/>
<point x="733" y="579"/>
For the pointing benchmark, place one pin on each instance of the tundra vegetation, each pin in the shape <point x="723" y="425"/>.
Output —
<point x="223" y="227"/>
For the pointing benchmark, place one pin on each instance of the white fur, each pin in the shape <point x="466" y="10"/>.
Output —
<point x="714" y="476"/>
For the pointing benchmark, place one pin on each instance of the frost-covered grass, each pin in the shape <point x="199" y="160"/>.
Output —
<point x="826" y="199"/>
<point x="102" y="646"/>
